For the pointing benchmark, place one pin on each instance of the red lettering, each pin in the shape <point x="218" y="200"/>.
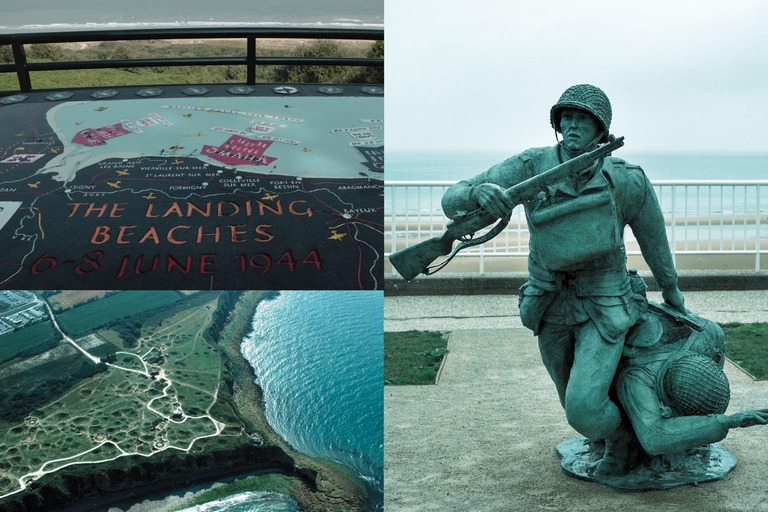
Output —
<point x="313" y="259"/>
<point x="172" y="262"/>
<point x="205" y="263"/>
<point x="92" y="261"/>
<point x="287" y="259"/>
<point x="36" y="266"/>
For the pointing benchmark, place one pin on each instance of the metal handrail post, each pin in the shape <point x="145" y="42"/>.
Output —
<point x="251" y="61"/>
<point x="757" y="229"/>
<point x="672" y="223"/>
<point x="20" y="57"/>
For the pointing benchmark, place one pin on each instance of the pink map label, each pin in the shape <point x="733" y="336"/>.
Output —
<point x="241" y="151"/>
<point x="99" y="136"/>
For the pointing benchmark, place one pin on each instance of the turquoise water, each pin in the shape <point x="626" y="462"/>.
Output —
<point x="248" y="502"/>
<point x="318" y="356"/>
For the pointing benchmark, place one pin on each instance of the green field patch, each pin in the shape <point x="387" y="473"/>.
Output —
<point x="113" y="405"/>
<point x="27" y="392"/>
<point x="413" y="357"/>
<point x="747" y="346"/>
<point x="130" y="361"/>
<point x="63" y="300"/>
<point x="223" y="412"/>
<point x="113" y="337"/>
<point x="104" y="348"/>
<point x="104" y="452"/>
<point x="100" y="313"/>
<point x="181" y="435"/>
<point x="28" y="341"/>
<point x="194" y="401"/>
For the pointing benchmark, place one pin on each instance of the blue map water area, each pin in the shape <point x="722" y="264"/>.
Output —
<point x="309" y="122"/>
<point x="319" y="358"/>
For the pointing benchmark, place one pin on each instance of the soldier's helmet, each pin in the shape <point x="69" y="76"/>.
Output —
<point x="584" y="97"/>
<point x="696" y="386"/>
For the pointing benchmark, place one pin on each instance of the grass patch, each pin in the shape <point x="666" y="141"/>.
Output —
<point x="28" y="341"/>
<point x="85" y="318"/>
<point x="413" y="357"/>
<point x="110" y="50"/>
<point x="747" y="346"/>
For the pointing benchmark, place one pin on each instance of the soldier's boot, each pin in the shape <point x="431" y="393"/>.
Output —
<point x="621" y="454"/>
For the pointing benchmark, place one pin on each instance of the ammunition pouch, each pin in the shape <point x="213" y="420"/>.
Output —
<point x="575" y="231"/>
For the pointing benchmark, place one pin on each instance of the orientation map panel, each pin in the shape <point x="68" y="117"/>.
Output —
<point x="192" y="188"/>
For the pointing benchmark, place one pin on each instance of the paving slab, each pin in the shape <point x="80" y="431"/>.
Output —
<point x="484" y="437"/>
<point x="451" y="312"/>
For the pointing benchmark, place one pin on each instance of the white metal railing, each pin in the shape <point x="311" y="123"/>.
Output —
<point x="705" y="217"/>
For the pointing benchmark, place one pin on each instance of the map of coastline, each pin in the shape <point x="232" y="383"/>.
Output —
<point x="199" y="193"/>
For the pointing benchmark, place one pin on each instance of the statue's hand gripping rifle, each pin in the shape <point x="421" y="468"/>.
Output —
<point x="417" y="259"/>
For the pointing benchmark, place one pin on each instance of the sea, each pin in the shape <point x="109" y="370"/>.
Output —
<point x="702" y="202"/>
<point x="458" y="165"/>
<point x="319" y="357"/>
<point x="62" y="15"/>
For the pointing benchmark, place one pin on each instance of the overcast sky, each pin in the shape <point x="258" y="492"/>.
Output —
<point x="483" y="74"/>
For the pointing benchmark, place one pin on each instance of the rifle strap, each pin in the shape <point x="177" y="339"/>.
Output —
<point x="528" y="167"/>
<point x="498" y="228"/>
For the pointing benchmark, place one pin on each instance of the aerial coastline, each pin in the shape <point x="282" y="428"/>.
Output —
<point x="256" y="448"/>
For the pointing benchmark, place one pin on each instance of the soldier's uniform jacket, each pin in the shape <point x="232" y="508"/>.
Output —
<point x="639" y="386"/>
<point x="577" y="260"/>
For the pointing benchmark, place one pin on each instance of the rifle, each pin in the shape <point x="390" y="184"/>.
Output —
<point x="417" y="259"/>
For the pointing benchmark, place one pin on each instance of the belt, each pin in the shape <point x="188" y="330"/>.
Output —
<point x="585" y="283"/>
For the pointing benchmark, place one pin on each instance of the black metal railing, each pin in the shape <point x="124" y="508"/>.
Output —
<point x="22" y="67"/>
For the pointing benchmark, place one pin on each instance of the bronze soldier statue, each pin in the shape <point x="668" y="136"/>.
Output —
<point x="672" y="387"/>
<point x="578" y="299"/>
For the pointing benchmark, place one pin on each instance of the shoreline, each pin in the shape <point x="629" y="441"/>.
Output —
<point x="317" y="486"/>
<point x="256" y="450"/>
<point x="326" y="487"/>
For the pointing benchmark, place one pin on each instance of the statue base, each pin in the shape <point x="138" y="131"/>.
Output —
<point x="706" y="464"/>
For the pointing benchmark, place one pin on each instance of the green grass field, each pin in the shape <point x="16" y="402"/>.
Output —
<point x="747" y="346"/>
<point x="413" y="357"/>
<point x="88" y="317"/>
<point x="28" y="341"/>
<point x="192" y="74"/>
<point x="127" y="404"/>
